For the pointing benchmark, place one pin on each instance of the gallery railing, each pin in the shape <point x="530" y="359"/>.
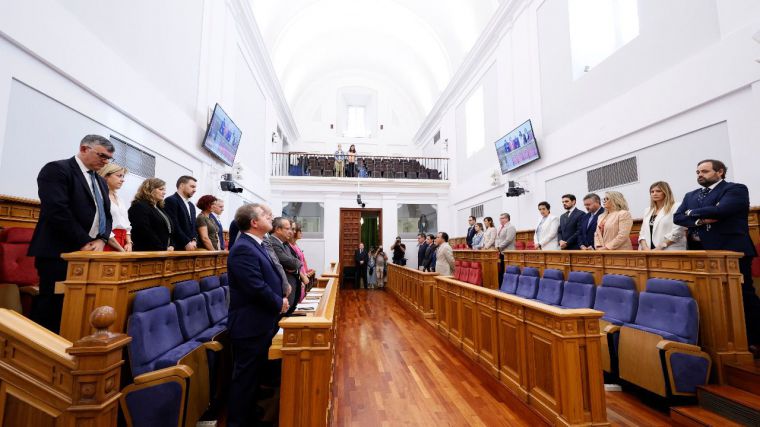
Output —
<point x="383" y="167"/>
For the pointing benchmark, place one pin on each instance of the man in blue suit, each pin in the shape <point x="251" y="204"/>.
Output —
<point x="471" y="220"/>
<point x="257" y="299"/>
<point x="181" y="211"/>
<point x="587" y="225"/>
<point x="570" y="224"/>
<point x="716" y="217"/>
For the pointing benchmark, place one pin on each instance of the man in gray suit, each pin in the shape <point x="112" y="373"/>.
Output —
<point x="444" y="255"/>
<point x="505" y="234"/>
<point x="278" y="238"/>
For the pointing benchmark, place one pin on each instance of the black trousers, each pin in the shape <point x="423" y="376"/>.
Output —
<point x="360" y="275"/>
<point x="249" y="360"/>
<point x="48" y="306"/>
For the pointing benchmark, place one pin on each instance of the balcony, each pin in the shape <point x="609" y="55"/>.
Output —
<point x="370" y="167"/>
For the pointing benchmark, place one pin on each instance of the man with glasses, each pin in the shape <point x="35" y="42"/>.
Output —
<point x="75" y="215"/>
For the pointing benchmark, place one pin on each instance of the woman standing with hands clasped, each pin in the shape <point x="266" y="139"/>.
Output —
<point x="658" y="232"/>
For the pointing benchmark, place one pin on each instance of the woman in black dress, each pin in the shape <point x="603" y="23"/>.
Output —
<point x="151" y="227"/>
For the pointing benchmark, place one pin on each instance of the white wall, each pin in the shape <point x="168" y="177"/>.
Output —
<point x="665" y="87"/>
<point x="148" y="73"/>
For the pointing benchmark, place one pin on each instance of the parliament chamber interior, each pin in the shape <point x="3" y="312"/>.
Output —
<point x="380" y="213"/>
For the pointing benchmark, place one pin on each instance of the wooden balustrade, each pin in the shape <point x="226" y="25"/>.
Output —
<point x="712" y="276"/>
<point x="48" y="380"/>
<point x="112" y="278"/>
<point x="19" y="212"/>
<point x="547" y="356"/>
<point x="413" y="288"/>
<point x="489" y="264"/>
<point x="308" y="361"/>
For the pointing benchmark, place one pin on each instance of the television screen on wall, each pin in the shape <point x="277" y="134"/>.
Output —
<point x="517" y="148"/>
<point x="222" y="136"/>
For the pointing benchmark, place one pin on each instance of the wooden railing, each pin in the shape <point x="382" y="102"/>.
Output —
<point x="18" y="212"/>
<point x="712" y="276"/>
<point x="388" y="167"/>
<point x="547" y="356"/>
<point x="413" y="288"/>
<point x="308" y="361"/>
<point x="48" y="380"/>
<point x="112" y="278"/>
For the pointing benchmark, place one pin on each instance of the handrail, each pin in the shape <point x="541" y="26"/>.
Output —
<point x="403" y="167"/>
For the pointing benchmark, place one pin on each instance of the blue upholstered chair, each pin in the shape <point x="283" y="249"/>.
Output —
<point x="579" y="290"/>
<point x="194" y="320"/>
<point x="550" y="287"/>
<point x="225" y="284"/>
<point x="527" y="284"/>
<point x="509" y="282"/>
<point x="216" y="300"/>
<point x="170" y="374"/>
<point x="618" y="299"/>
<point x="658" y="351"/>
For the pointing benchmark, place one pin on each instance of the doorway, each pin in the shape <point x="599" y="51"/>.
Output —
<point x="357" y="225"/>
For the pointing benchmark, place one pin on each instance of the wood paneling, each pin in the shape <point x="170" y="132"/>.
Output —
<point x="112" y="278"/>
<point x="712" y="276"/>
<point x="489" y="263"/>
<point x="548" y="357"/>
<point x="414" y="288"/>
<point x="19" y="212"/>
<point x="46" y="380"/>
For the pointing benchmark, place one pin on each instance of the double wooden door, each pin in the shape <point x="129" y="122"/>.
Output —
<point x="350" y="233"/>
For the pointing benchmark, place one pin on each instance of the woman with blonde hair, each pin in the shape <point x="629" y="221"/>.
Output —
<point x="151" y="226"/>
<point x="121" y="238"/>
<point x="489" y="235"/>
<point x="658" y="232"/>
<point x="613" y="229"/>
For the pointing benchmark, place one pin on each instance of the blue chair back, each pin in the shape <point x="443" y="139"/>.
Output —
<point x="579" y="290"/>
<point x="216" y="300"/>
<point x="154" y="328"/>
<point x="667" y="309"/>
<point x="550" y="287"/>
<point x="191" y="308"/>
<point x="617" y="298"/>
<point x="509" y="282"/>
<point x="527" y="285"/>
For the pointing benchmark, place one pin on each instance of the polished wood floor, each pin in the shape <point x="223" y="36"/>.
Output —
<point x="392" y="369"/>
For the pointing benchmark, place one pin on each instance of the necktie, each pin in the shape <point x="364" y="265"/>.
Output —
<point x="98" y="203"/>
<point x="221" y="232"/>
<point x="273" y="256"/>
<point x="702" y="194"/>
<point x="190" y="211"/>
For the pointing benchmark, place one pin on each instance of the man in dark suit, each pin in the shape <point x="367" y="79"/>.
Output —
<point x="182" y="213"/>
<point x="569" y="224"/>
<point x="217" y="209"/>
<point x="587" y="225"/>
<point x="471" y="220"/>
<point x="421" y="249"/>
<point x="716" y="218"/>
<point x="281" y="233"/>
<point x="361" y="259"/>
<point x="75" y="215"/>
<point x="428" y="264"/>
<point x="257" y="299"/>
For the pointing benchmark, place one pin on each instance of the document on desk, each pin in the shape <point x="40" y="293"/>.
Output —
<point x="306" y="307"/>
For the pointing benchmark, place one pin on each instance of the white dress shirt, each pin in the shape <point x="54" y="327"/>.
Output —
<point x="119" y="216"/>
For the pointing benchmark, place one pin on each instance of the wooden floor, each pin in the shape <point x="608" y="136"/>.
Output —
<point x="392" y="369"/>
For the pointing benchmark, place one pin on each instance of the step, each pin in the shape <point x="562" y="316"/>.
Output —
<point x="695" y="416"/>
<point x="730" y="402"/>
<point x="745" y="377"/>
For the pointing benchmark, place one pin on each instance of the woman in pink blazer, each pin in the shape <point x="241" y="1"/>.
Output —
<point x="613" y="229"/>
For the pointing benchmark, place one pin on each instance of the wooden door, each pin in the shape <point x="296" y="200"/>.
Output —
<point x="350" y="234"/>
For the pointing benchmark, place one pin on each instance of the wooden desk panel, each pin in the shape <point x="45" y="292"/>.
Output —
<point x="413" y="288"/>
<point x="19" y="212"/>
<point x="712" y="276"/>
<point x="489" y="263"/>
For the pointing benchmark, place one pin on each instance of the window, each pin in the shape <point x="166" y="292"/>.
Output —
<point x="414" y="219"/>
<point x="475" y="122"/>
<point x="598" y="28"/>
<point x="311" y="216"/>
<point x="356" y="123"/>
<point x="137" y="161"/>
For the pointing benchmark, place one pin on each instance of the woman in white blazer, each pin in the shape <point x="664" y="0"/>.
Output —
<point x="545" y="236"/>
<point x="489" y="236"/>
<point x="658" y="232"/>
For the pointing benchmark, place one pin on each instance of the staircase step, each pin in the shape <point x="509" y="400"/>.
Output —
<point x="730" y="402"/>
<point x="743" y="376"/>
<point x="695" y="416"/>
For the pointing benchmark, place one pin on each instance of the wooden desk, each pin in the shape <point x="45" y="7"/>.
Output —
<point x="19" y="212"/>
<point x="712" y="276"/>
<point x="308" y="362"/>
<point x="112" y="278"/>
<point x="489" y="263"/>
<point x="413" y="288"/>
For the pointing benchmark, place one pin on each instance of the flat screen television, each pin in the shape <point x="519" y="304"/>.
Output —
<point x="517" y="148"/>
<point x="222" y="136"/>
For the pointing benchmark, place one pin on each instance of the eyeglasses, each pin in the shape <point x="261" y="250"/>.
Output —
<point x="102" y="156"/>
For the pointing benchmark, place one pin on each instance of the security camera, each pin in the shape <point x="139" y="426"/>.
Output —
<point x="359" y="200"/>
<point x="514" y="189"/>
<point x="227" y="184"/>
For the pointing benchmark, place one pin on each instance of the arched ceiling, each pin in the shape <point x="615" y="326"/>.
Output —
<point x="415" y="44"/>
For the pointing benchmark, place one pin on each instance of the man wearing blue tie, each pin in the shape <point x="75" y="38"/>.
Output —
<point x="716" y="217"/>
<point x="216" y="210"/>
<point x="75" y="215"/>
<point x="594" y="209"/>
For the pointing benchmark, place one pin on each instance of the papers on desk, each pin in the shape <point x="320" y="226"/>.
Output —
<point x="307" y="306"/>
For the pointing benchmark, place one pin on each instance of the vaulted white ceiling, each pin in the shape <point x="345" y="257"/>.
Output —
<point x="416" y="45"/>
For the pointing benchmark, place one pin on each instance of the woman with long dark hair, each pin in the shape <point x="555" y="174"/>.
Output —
<point x="351" y="169"/>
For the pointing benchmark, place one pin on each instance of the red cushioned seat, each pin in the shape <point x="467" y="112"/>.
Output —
<point x="520" y="245"/>
<point x="457" y="269"/>
<point x="634" y="242"/>
<point x="16" y="266"/>
<point x="476" y="274"/>
<point x="530" y="246"/>
<point x="756" y="263"/>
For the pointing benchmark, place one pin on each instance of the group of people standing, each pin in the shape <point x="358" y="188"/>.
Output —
<point x="370" y="267"/>
<point x="345" y="163"/>
<point x="713" y="217"/>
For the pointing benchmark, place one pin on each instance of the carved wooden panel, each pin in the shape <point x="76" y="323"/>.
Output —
<point x="350" y="235"/>
<point x="468" y="328"/>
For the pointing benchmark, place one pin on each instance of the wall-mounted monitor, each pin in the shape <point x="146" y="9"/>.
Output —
<point x="222" y="136"/>
<point x="517" y="148"/>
